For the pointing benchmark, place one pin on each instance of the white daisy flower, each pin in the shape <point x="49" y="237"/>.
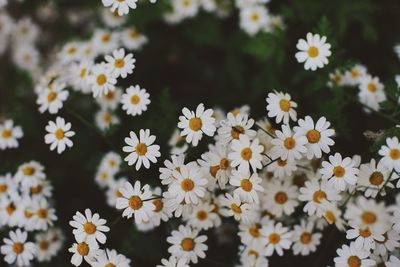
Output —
<point x="391" y="153"/>
<point x="305" y="241"/>
<point x="111" y="258"/>
<point x="9" y="135"/>
<point x="250" y="233"/>
<point x="187" y="244"/>
<point x="353" y="76"/>
<point x="315" y="191"/>
<point x="248" y="185"/>
<point x="30" y="174"/>
<point x="89" y="227"/>
<point x="281" y="106"/>
<point x="166" y="173"/>
<point x="390" y="243"/>
<point x="364" y="237"/>
<point x="339" y="172"/>
<point x="106" y="119"/>
<point x="120" y="64"/>
<point x="189" y="185"/>
<point x="113" y="190"/>
<point x="43" y="214"/>
<point x="234" y="126"/>
<point x="314" y="51"/>
<point x="282" y="168"/>
<point x="110" y="100"/>
<point x="373" y="178"/>
<point x="332" y="214"/>
<point x="141" y="150"/>
<point x="393" y="262"/>
<point x="79" y="75"/>
<point x="194" y="124"/>
<point x="318" y="135"/>
<point x="246" y="153"/>
<point x="233" y="206"/>
<point x="83" y="251"/>
<point x="17" y="249"/>
<point x="46" y="247"/>
<point x="252" y="256"/>
<point x="52" y="97"/>
<point x="121" y="6"/>
<point x="253" y="18"/>
<point x="132" y="39"/>
<point x="352" y="256"/>
<point x="280" y="198"/>
<point x="177" y="143"/>
<point x="203" y="217"/>
<point x="371" y="92"/>
<point x="288" y="145"/>
<point x="59" y="134"/>
<point x="173" y="262"/>
<point x="135" y="100"/>
<point x="101" y="79"/>
<point x="134" y="201"/>
<point x="8" y="186"/>
<point x="275" y="238"/>
<point x="336" y="78"/>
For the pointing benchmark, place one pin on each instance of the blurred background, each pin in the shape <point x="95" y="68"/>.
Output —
<point x="204" y="59"/>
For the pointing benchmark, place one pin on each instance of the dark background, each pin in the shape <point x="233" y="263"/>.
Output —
<point x="209" y="60"/>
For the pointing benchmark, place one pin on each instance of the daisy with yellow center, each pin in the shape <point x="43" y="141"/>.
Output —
<point x="111" y="258"/>
<point x="83" y="251"/>
<point x="253" y="18"/>
<point x="187" y="243"/>
<point x="305" y="239"/>
<point x="141" y="149"/>
<point x="120" y="64"/>
<point x="241" y="211"/>
<point x="371" y="92"/>
<point x="102" y="80"/>
<point x="248" y="185"/>
<point x="195" y="124"/>
<point x="353" y="256"/>
<point x="30" y="175"/>
<point x="120" y="6"/>
<point x="288" y="145"/>
<point x="280" y="198"/>
<point x="314" y="51"/>
<point x="89" y="227"/>
<point x="340" y="172"/>
<point x="9" y="134"/>
<point x="318" y="136"/>
<point x="234" y="126"/>
<point x="135" y="100"/>
<point x="17" y="249"/>
<point x="134" y="201"/>
<point x="275" y="238"/>
<point x="353" y="76"/>
<point x="281" y="107"/>
<point x="390" y="153"/>
<point x="51" y="98"/>
<point x="203" y="217"/>
<point x="59" y="133"/>
<point x="246" y="153"/>
<point x="189" y="185"/>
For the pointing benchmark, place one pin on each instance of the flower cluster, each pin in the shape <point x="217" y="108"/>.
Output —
<point x="26" y="204"/>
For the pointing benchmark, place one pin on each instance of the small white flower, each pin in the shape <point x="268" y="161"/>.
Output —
<point x="89" y="228"/>
<point x="281" y="106"/>
<point x="52" y="97"/>
<point x="134" y="201"/>
<point x="187" y="244"/>
<point x="318" y="135"/>
<point x="83" y="251"/>
<point x="110" y="258"/>
<point x="122" y="6"/>
<point x="314" y="51"/>
<point x="353" y="256"/>
<point x="248" y="185"/>
<point x="275" y="238"/>
<point x="288" y="145"/>
<point x="17" y="249"/>
<point x="142" y="150"/>
<point x="120" y="64"/>
<point x="173" y="262"/>
<point x="102" y="79"/>
<point x="135" y="100"/>
<point x="30" y="174"/>
<point x="246" y="153"/>
<point x="9" y="135"/>
<point x="391" y="153"/>
<point x="280" y="198"/>
<point x="194" y="124"/>
<point x="371" y="92"/>
<point x="305" y="240"/>
<point x="233" y="206"/>
<point x="339" y="172"/>
<point x="58" y="135"/>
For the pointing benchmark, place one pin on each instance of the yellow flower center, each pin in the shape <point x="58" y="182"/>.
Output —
<point x="3" y="188"/>
<point x="284" y="105"/>
<point x="10" y="208"/>
<point x="246" y="185"/>
<point x="214" y="170"/>
<point x="236" y="209"/>
<point x="195" y="124"/>
<point x="110" y="265"/>
<point x="187" y="244"/>
<point x="281" y="198"/>
<point x="355" y="73"/>
<point x="236" y="132"/>
<point x="36" y="189"/>
<point x="89" y="228"/>
<point x="330" y="217"/>
<point x="201" y="215"/>
<point x="224" y="164"/>
<point x="6" y="133"/>
<point x="313" y="136"/>
<point x="255" y="231"/>
<point x="368" y="217"/>
<point x="28" y="171"/>
<point x="42" y="213"/>
<point x="305" y="238"/>
<point x="354" y="261"/>
<point x="372" y="87"/>
<point x="141" y="149"/>
<point x="135" y="202"/>
<point x="44" y="245"/>
<point x="83" y="249"/>
<point x="318" y="196"/>
<point x="18" y="248"/>
<point x="376" y="178"/>
<point x="281" y="163"/>
<point x="246" y="154"/>
<point x="313" y="52"/>
<point x="394" y="154"/>
<point x="135" y="99"/>
<point x="51" y="96"/>
<point x="187" y="184"/>
<point x="119" y="63"/>
<point x="289" y="143"/>
<point x="59" y="134"/>
<point x="158" y="204"/>
<point x="101" y="79"/>
<point x="71" y="50"/>
<point x="365" y="232"/>
<point x="255" y="17"/>
<point x="274" y="238"/>
<point x="339" y="171"/>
